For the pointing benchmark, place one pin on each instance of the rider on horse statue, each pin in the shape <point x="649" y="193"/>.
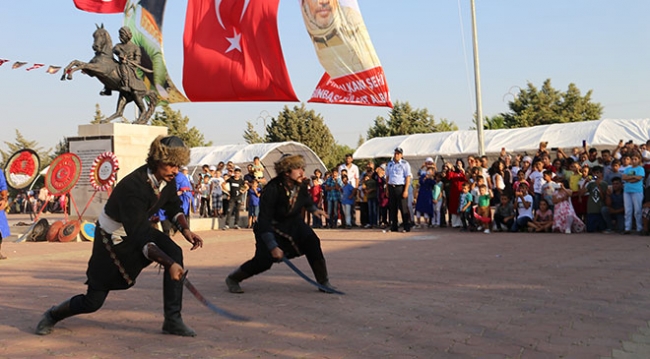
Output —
<point x="129" y="56"/>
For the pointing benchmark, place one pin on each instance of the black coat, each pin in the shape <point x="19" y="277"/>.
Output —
<point x="132" y="203"/>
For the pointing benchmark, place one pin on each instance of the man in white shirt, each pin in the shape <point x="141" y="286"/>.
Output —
<point x="353" y="178"/>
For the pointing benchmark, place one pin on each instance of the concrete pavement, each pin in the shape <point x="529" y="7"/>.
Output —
<point x="431" y="293"/>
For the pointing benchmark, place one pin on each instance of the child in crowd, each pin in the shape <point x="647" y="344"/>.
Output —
<point x="382" y="197"/>
<point x="333" y="186"/>
<point x="597" y="189"/>
<point x="348" y="194"/>
<point x="537" y="180"/>
<point x="521" y="178"/>
<point x="626" y="162"/>
<point x="369" y="186"/>
<point x="258" y="168"/>
<point x="548" y="188"/>
<point x="483" y="209"/>
<point x="253" y="202"/>
<point x="465" y="208"/>
<point x="564" y="217"/>
<point x="216" y="192"/>
<point x="524" y="203"/>
<point x="437" y="196"/>
<point x="316" y="192"/>
<point x="614" y="172"/>
<point x="504" y="214"/>
<point x="633" y="193"/>
<point x="205" y="197"/>
<point x="543" y="221"/>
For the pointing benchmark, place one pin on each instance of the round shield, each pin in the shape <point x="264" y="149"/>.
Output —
<point x="103" y="170"/>
<point x="69" y="231"/>
<point x="22" y="168"/>
<point x="88" y="230"/>
<point x="63" y="174"/>
<point x="39" y="231"/>
<point x="53" y="232"/>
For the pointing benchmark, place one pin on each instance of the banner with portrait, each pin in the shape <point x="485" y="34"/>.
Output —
<point x="145" y="19"/>
<point x="353" y="73"/>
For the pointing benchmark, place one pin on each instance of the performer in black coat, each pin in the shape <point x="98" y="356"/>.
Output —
<point x="281" y="230"/>
<point x="125" y="241"/>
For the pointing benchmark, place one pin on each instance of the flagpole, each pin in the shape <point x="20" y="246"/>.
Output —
<point x="477" y="80"/>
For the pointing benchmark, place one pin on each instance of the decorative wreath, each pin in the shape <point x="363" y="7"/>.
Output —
<point x="63" y="174"/>
<point x="103" y="171"/>
<point x="22" y="168"/>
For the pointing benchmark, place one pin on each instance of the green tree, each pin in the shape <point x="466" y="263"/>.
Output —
<point x="23" y="143"/>
<point x="62" y="147"/>
<point x="304" y="126"/>
<point x="177" y="125"/>
<point x="403" y="120"/>
<point x="532" y="107"/>
<point x="250" y="135"/>
<point x="496" y="122"/>
<point x="99" y="116"/>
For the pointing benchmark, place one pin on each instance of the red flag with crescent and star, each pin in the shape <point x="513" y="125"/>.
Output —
<point x="101" y="6"/>
<point x="232" y="52"/>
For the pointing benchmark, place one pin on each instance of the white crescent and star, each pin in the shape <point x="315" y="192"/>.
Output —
<point x="235" y="40"/>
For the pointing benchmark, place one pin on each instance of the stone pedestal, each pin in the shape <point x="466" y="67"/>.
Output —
<point x="130" y="144"/>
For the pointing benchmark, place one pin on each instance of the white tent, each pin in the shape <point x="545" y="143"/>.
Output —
<point x="242" y="155"/>
<point x="600" y="134"/>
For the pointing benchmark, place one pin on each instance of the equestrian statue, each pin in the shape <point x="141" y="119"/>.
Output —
<point x="118" y="75"/>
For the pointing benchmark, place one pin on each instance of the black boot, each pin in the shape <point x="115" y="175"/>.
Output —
<point x="53" y="316"/>
<point x="233" y="279"/>
<point x="173" y="303"/>
<point x="320" y="272"/>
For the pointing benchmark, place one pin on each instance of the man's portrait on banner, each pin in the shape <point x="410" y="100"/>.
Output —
<point x="340" y="36"/>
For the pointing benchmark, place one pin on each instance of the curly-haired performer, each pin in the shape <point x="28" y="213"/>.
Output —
<point x="280" y="230"/>
<point x="125" y="242"/>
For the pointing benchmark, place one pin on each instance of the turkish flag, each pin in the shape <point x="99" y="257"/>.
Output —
<point x="101" y="6"/>
<point x="232" y="52"/>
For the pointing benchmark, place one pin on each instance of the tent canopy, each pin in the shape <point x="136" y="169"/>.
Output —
<point x="604" y="133"/>
<point x="242" y="155"/>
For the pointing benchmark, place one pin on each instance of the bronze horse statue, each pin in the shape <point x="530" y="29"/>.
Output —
<point x="106" y="68"/>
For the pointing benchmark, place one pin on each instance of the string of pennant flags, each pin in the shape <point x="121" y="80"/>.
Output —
<point x="18" y="64"/>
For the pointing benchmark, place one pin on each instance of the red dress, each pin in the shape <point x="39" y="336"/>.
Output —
<point x="456" y="180"/>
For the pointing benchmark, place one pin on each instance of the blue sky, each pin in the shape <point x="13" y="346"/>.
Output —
<point x="424" y="46"/>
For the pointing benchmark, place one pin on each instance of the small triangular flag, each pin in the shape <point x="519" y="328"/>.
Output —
<point x="2" y="61"/>
<point x="35" y="66"/>
<point x="18" y="64"/>
<point x="53" y="69"/>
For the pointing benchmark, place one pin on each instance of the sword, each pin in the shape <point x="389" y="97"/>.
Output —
<point x="207" y="303"/>
<point x="309" y="280"/>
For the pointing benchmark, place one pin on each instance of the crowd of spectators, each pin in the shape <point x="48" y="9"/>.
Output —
<point x="586" y="190"/>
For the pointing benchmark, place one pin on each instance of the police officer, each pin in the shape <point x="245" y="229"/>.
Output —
<point x="398" y="178"/>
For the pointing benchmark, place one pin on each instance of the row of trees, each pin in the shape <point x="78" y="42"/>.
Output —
<point x="529" y="107"/>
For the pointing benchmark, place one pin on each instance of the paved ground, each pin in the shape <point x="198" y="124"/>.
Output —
<point x="431" y="293"/>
